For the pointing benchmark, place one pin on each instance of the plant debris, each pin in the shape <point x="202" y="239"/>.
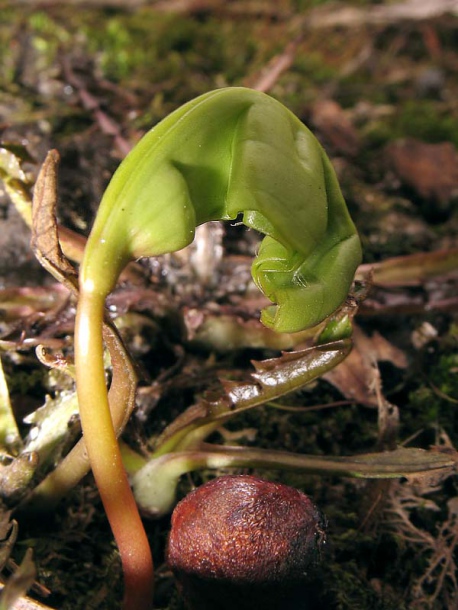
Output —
<point x="378" y="84"/>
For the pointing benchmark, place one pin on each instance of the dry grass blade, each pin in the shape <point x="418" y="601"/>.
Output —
<point x="411" y="269"/>
<point x="412" y="10"/>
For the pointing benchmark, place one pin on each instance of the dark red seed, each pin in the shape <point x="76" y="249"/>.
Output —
<point x="242" y="542"/>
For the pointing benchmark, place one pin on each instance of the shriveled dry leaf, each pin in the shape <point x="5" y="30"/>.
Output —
<point x="45" y="240"/>
<point x="354" y="376"/>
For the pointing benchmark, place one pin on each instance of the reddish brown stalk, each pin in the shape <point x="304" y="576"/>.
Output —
<point x="105" y="456"/>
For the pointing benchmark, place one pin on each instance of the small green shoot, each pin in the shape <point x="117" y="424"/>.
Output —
<point x="229" y="152"/>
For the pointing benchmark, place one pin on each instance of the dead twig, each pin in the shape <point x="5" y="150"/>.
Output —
<point x="268" y="76"/>
<point x="411" y="10"/>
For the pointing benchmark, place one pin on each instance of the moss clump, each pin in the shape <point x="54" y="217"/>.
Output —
<point x="432" y="403"/>
<point x="427" y="121"/>
<point x="422" y="119"/>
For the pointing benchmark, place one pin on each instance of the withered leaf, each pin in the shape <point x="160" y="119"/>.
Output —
<point x="45" y="240"/>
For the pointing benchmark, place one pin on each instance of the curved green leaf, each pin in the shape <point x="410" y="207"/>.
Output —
<point x="229" y="152"/>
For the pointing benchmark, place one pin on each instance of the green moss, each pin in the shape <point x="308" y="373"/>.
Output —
<point x="357" y="559"/>
<point x="74" y="537"/>
<point x="314" y="67"/>
<point x="427" y="121"/>
<point x="44" y="38"/>
<point x="432" y="404"/>
<point x="422" y="119"/>
<point x="167" y="49"/>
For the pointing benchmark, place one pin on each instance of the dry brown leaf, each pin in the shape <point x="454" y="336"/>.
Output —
<point x="45" y="240"/>
<point x="337" y="130"/>
<point x="354" y="377"/>
<point x="431" y="170"/>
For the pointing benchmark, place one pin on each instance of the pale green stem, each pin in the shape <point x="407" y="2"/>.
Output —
<point x="156" y="483"/>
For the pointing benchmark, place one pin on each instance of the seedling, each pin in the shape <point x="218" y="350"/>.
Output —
<point x="229" y="152"/>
